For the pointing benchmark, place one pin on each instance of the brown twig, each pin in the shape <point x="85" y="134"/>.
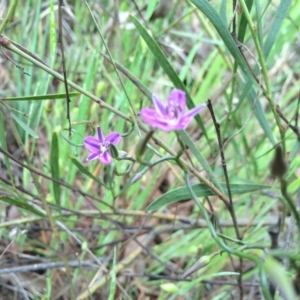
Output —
<point x="75" y="189"/>
<point x="230" y="204"/>
<point x="293" y="127"/>
<point x="51" y="265"/>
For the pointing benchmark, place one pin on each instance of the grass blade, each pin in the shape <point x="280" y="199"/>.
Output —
<point x="275" y="26"/>
<point x="54" y="165"/>
<point x="21" y="204"/>
<point x="24" y="126"/>
<point x="61" y="96"/>
<point x="85" y="171"/>
<point x="201" y="190"/>
<point x="200" y="158"/>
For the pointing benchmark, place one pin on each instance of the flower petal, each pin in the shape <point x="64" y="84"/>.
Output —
<point x="92" y="144"/>
<point x="159" y="106"/>
<point x="100" y="134"/>
<point x="177" y="99"/>
<point x="151" y="117"/>
<point x="93" y="156"/>
<point x="195" y="111"/>
<point x="114" y="138"/>
<point x="183" y="123"/>
<point x="105" y="158"/>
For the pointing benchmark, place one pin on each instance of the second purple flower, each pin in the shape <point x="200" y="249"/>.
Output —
<point x="172" y="115"/>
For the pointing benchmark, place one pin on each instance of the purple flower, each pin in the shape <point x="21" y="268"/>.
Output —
<point x="171" y="116"/>
<point x="100" y="146"/>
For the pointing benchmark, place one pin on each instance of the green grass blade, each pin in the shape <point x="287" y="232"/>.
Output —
<point x="275" y="26"/>
<point x="42" y="97"/>
<point x="54" y="165"/>
<point x="85" y="171"/>
<point x="201" y="190"/>
<point x="25" y="127"/>
<point x="21" y="204"/>
<point x="186" y="139"/>
<point x="164" y="63"/>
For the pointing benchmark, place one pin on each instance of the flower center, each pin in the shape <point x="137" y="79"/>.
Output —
<point x="104" y="147"/>
<point x="174" y="112"/>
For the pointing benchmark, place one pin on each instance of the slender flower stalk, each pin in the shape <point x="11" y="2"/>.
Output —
<point x="170" y="116"/>
<point x="100" y="146"/>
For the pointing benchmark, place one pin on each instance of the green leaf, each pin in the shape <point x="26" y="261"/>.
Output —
<point x="274" y="29"/>
<point x="54" y="166"/>
<point x="25" y="127"/>
<point x="201" y="190"/>
<point x="42" y="97"/>
<point x="164" y="63"/>
<point x="21" y="204"/>
<point x="85" y="171"/>
<point x="200" y="158"/>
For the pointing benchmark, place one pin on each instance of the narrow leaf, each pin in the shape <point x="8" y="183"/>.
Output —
<point x="85" y="171"/>
<point x="274" y="29"/>
<point x="21" y="204"/>
<point x="54" y="165"/>
<point x="200" y="158"/>
<point x="25" y="127"/>
<point x="42" y="97"/>
<point x="201" y="190"/>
